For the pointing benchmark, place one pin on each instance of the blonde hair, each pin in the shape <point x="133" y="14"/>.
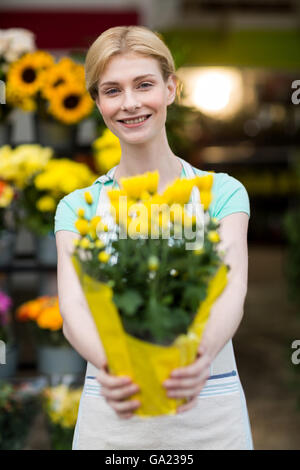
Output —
<point x="123" y="39"/>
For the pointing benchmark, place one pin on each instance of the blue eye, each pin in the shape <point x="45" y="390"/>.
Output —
<point x="147" y="84"/>
<point x="113" y="90"/>
<point x="109" y="92"/>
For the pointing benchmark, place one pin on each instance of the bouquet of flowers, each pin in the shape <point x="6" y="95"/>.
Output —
<point x="55" y="90"/>
<point x="61" y="405"/>
<point x="40" y="182"/>
<point x="151" y="271"/>
<point x="14" y="42"/>
<point x="45" y="318"/>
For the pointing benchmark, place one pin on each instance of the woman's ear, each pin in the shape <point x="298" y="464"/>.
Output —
<point x="171" y="87"/>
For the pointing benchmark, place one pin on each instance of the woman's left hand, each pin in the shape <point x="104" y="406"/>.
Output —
<point x="187" y="382"/>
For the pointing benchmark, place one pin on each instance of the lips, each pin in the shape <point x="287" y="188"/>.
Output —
<point x="131" y="118"/>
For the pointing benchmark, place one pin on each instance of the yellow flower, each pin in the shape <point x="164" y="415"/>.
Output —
<point x="179" y="191"/>
<point x="70" y="104"/>
<point x="213" y="236"/>
<point x="107" y="151"/>
<point x="135" y="186"/>
<point x="103" y="256"/>
<point x="204" y="183"/>
<point x="82" y="226"/>
<point x="88" y="197"/>
<point x="6" y="194"/>
<point x="99" y="244"/>
<point x="153" y="263"/>
<point x="65" y="71"/>
<point x="85" y="243"/>
<point x="46" y="204"/>
<point x="80" y="212"/>
<point x="198" y="251"/>
<point x="205" y="198"/>
<point x="24" y="75"/>
<point x="76" y="242"/>
<point x="95" y="221"/>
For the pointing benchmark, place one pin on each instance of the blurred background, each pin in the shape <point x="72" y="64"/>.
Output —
<point x="239" y="63"/>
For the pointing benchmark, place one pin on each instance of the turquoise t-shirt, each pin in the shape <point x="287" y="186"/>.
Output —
<point x="229" y="196"/>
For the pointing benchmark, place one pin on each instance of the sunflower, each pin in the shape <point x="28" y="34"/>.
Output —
<point x="70" y="104"/>
<point x="24" y="75"/>
<point x="64" y="72"/>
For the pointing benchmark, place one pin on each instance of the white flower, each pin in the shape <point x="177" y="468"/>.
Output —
<point x="14" y="42"/>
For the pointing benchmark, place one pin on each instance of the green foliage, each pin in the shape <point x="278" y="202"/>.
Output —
<point x="156" y="304"/>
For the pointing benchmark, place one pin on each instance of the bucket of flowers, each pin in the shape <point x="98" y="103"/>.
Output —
<point x="55" y="356"/>
<point x="57" y="93"/>
<point x="61" y="405"/>
<point x="150" y="279"/>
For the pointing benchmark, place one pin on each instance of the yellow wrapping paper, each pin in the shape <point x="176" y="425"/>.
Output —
<point x="147" y="364"/>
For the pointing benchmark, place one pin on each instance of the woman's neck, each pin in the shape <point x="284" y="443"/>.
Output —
<point x="137" y="160"/>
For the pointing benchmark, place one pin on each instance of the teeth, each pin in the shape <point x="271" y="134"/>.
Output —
<point x="135" y="121"/>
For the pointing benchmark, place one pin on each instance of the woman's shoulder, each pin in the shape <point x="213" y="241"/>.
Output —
<point x="229" y="194"/>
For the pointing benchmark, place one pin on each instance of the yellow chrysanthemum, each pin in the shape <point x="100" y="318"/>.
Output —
<point x="206" y="198"/>
<point x="81" y="212"/>
<point x="153" y="263"/>
<point x="20" y="164"/>
<point x="213" y="236"/>
<point x="99" y="244"/>
<point x="46" y="204"/>
<point x="204" y="183"/>
<point x="6" y="194"/>
<point x="85" y="243"/>
<point x="82" y="226"/>
<point x="135" y="186"/>
<point x="103" y="257"/>
<point x="179" y="191"/>
<point x="88" y="197"/>
<point x="70" y="104"/>
<point x="107" y="151"/>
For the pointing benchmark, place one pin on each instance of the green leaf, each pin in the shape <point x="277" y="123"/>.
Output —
<point x="129" y="302"/>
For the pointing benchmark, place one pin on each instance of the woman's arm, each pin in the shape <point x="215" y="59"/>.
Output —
<point x="80" y="330"/>
<point x="226" y="313"/>
<point x="78" y="325"/>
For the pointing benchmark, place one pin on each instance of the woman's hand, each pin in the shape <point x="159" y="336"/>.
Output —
<point x="187" y="382"/>
<point x="116" y="389"/>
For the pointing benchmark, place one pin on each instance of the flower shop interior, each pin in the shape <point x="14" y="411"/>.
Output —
<point x="246" y="122"/>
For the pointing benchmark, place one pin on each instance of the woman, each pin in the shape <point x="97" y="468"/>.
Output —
<point x="131" y="76"/>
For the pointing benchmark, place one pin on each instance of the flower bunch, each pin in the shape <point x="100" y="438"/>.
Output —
<point x="159" y="257"/>
<point x="5" y="305"/>
<point x="19" y="165"/>
<point x="7" y="197"/>
<point x="106" y="151"/>
<point x="14" y="42"/>
<point x="54" y="89"/>
<point x="61" y="404"/>
<point x="44" y="315"/>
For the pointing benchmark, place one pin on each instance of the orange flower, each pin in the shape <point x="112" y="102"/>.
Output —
<point x="32" y="309"/>
<point x="44" y="311"/>
<point x="50" y="318"/>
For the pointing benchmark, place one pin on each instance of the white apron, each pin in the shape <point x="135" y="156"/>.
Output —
<point x="219" y="420"/>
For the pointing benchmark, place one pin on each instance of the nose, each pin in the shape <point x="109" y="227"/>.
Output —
<point x="130" y="102"/>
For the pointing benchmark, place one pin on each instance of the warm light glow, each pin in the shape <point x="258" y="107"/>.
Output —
<point x="216" y="91"/>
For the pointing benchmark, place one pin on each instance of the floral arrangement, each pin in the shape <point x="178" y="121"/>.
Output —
<point x="61" y="405"/>
<point x="5" y="305"/>
<point x="18" y="407"/>
<point x="14" y="43"/>
<point x="55" y="90"/>
<point x="7" y="197"/>
<point x="106" y="151"/>
<point x="40" y="181"/>
<point x="45" y="318"/>
<point x="149" y="292"/>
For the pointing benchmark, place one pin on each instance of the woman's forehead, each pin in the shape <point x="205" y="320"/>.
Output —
<point x="129" y="65"/>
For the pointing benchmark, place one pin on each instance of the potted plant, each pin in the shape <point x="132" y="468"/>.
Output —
<point x="55" y="356"/>
<point x="150" y="293"/>
<point x="7" y="225"/>
<point x="61" y="405"/>
<point x="9" y="348"/>
<point x="58" y="92"/>
<point x="14" y="42"/>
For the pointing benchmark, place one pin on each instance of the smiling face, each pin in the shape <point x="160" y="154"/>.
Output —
<point x="132" y="86"/>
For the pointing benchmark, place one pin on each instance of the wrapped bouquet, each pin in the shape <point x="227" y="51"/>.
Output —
<point x="150" y="279"/>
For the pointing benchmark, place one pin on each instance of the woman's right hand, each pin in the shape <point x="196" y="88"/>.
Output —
<point x="116" y="389"/>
